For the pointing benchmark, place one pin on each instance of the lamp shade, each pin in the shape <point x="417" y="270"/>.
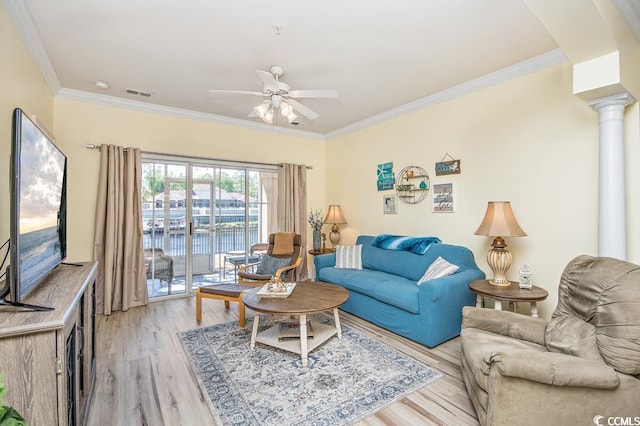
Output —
<point x="334" y="215"/>
<point x="499" y="220"/>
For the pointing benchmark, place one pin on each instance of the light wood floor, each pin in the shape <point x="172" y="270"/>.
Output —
<point x="143" y="377"/>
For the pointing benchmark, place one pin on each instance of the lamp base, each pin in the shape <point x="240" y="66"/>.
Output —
<point x="334" y="236"/>
<point x="499" y="260"/>
<point x="500" y="283"/>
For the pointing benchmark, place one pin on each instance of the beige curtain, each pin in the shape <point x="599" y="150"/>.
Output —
<point x="121" y="281"/>
<point x="292" y="207"/>
<point x="270" y="187"/>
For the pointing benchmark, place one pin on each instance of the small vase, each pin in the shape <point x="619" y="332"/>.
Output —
<point x="317" y="239"/>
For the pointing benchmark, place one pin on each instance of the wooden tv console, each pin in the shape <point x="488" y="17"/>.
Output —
<point x="47" y="358"/>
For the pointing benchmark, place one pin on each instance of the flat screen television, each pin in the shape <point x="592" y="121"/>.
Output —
<point x="38" y="205"/>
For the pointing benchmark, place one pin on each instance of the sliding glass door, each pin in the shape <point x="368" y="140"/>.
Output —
<point x="201" y="222"/>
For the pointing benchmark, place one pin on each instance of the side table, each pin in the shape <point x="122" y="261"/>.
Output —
<point x="321" y="251"/>
<point x="512" y="294"/>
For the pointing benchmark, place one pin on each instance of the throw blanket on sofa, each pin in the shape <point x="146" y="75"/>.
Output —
<point x="417" y="245"/>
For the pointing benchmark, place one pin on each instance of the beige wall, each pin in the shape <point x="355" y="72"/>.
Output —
<point x="529" y="141"/>
<point x="21" y="85"/>
<point x="80" y="123"/>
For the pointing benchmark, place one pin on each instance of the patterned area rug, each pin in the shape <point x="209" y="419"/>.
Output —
<point x="347" y="379"/>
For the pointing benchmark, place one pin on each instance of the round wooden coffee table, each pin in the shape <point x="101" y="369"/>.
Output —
<point x="306" y="298"/>
<point x="511" y="293"/>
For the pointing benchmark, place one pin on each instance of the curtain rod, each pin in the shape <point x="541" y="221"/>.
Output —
<point x="98" y="147"/>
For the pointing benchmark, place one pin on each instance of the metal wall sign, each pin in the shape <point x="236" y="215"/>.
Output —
<point x="451" y="167"/>
<point x="386" y="179"/>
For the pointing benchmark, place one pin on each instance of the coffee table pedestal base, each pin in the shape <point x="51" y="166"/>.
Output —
<point x="302" y="346"/>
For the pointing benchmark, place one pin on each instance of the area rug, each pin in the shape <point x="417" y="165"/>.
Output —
<point x="346" y="380"/>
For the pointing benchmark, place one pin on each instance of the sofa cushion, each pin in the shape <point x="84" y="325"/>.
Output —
<point x="390" y="289"/>
<point x="349" y="257"/>
<point x="438" y="269"/>
<point x="396" y="262"/>
<point x="410" y="265"/>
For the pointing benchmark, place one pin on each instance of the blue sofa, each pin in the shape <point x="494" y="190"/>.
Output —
<point x="385" y="293"/>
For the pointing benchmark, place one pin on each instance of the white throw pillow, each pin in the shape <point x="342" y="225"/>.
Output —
<point x="349" y="257"/>
<point x="438" y="269"/>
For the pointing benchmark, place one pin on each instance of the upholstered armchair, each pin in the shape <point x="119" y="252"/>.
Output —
<point x="583" y="363"/>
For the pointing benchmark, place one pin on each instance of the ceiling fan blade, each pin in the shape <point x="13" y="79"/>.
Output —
<point x="268" y="80"/>
<point x="313" y="94"/>
<point x="306" y="111"/>
<point x="234" y="92"/>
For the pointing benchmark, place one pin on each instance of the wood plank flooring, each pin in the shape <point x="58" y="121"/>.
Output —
<point x="143" y="377"/>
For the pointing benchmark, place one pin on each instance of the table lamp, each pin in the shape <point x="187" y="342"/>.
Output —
<point x="499" y="221"/>
<point x="334" y="217"/>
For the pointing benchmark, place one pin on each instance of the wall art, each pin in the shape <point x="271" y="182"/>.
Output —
<point x="451" y="167"/>
<point x="443" y="198"/>
<point x="386" y="179"/>
<point x="389" y="203"/>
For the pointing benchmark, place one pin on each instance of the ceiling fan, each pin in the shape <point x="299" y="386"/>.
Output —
<point x="279" y="96"/>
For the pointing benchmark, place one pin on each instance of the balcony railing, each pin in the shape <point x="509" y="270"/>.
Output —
<point x="223" y="239"/>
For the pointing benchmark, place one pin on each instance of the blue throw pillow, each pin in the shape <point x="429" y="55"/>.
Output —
<point x="269" y="265"/>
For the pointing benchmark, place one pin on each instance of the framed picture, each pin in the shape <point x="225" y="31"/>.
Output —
<point x="443" y="198"/>
<point x="389" y="204"/>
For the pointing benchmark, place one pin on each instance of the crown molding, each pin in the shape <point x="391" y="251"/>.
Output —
<point x="113" y="101"/>
<point x="21" y="17"/>
<point x="630" y="12"/>
<point x="537" y="63"/>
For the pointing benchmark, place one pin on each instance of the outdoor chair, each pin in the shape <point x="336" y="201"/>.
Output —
<point x="238" y="258"/>
<point x="282" y="258"/>
<point x="158" y="266"/>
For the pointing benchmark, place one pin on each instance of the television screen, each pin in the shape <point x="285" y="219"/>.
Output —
<point x="38" y="206"/>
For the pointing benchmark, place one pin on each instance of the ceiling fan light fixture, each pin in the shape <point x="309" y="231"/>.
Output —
<point x="260" y="110"/>
<point x="268" y="116"/>
<point x="285" y="108"/>
<point x="291" y="117"/>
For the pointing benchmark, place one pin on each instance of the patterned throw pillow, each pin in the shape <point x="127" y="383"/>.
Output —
<point x="438" y="269"/>
<point x="349" y="257"/>
<point x="269" y="265"/>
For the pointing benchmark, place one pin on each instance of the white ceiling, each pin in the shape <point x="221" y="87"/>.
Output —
<point x="382" y="56"/>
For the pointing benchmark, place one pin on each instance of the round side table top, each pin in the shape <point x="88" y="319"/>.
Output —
<point x="322" y="251"/>
<point x="511" y="293"/>
<point x="306" y="298"/>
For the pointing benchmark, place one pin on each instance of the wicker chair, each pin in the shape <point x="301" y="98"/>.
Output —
<point x="159" y="266"/>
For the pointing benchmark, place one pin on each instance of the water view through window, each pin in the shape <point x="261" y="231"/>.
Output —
<point x="200" y="222"/>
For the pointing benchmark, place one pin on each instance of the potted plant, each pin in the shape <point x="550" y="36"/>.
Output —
<point x="8" y="416"/>
<point x="316" y="222"/>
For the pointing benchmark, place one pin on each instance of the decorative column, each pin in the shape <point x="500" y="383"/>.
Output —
<point x="612" y="220"/>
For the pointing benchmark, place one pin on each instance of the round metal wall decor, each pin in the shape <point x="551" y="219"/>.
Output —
<point x="413" y="185"/>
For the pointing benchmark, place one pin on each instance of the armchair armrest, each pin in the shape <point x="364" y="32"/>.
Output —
<point x="556" y="369"/>
<point x="243" y="268"/>
<point x="280" y="271"/>
<point x="506" y="323"/>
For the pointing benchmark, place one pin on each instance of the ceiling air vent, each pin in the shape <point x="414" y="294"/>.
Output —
<point x="137" y="92"/>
